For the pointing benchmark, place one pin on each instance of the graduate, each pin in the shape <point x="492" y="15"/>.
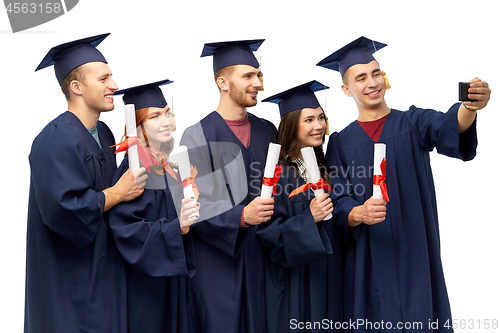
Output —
<point x="153" y="240"/>
<point x="393" y="267"/>
<point x="304" y="270"/>
<point x="229" y="149"/>
<point x="75" y="277"/>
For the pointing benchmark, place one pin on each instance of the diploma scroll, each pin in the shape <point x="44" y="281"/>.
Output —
<point x="313" y="171"/>
<point x="184" y="165"/>
<point x="379" y="164"/>
<point x="273" y="154"/>
<point x="131" y="129"/>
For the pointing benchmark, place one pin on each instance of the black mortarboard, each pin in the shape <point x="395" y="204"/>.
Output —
<point x="145" y="96"/>
<point x="68" y="56"/>
<point x="357" y="52"/>
<point x="299" y="97"/>
<point x="233" y="53"/>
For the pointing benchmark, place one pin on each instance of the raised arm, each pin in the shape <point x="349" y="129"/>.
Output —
<point x="480" y="91"/>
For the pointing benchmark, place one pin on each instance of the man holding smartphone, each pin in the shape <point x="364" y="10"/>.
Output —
<point x="393" y="270"/>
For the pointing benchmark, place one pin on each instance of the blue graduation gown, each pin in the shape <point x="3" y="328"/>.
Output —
<point x="159" y="258"/>
<point x="393" y="269"/>
<point x="75" y="277"/>
<point x="304" y="266"/>
<point x="227" y="292"/>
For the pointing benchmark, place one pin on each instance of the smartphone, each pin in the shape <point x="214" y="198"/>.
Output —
<point x="463" y="91"/>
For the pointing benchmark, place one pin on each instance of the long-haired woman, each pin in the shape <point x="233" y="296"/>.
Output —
<point x="154" y="241"/>
<point x="303" y="273"/>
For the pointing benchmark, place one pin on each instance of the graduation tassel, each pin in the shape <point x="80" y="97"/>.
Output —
<point x="261" y="77"/>
<point x="327" y="131"/>
<point x="387" y="84"/>
<point x="172" y="110"/>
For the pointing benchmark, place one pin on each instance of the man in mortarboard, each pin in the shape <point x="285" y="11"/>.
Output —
<point x="75" y="277"/>
<point x="230" y="144"/>
<point x="393" y="270"/>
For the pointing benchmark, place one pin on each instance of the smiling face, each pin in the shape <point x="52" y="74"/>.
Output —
<point x="158" y="126"/>
<point x="244" y="84"/>
<point x="98" y="86"/>
<point x="365" y="83"/>
<point x="311" y="127"/>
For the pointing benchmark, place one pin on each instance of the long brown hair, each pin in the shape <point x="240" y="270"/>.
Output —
<point x="290" y="145"/>
<point x="166" y="148"/>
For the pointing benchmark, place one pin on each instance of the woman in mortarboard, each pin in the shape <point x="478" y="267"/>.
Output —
<point x="154" y="241"/>
<point x="303" y="273"/>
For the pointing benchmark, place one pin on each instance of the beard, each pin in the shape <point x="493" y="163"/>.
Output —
<point x="241" y="97"/>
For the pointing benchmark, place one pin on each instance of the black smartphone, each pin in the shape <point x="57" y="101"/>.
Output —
<point x="463" y="91"/>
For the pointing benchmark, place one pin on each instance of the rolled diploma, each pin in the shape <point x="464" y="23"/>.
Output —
<point x="131" y="128"/>
<point x="273" y="154"/>
<point x="378" y="156"/>
<point x="313" y="171"/>
<point x="182" y="159"/>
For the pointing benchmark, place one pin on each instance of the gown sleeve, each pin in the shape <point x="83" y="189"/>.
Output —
<point x="342" y="196"/>
<point x="291" y="237"/>
<point x="440" y="130"/>
<point x="219" y="222"/>
<point x="63" y="174"/>
<point x="152" y="245"/>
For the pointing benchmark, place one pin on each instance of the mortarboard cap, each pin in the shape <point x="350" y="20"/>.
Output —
<point x="68" y="56"/>
<point x="357" y="52"/>
<point x="299" y="97"/>
<point x="145" y="96"/>
<point x="232" y="53"/>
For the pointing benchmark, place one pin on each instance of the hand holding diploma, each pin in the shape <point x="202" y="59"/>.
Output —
<point x="189" y="213"/>
<point x="379" y="176"/>
<point x="128" y="187"/>
<point x="131" y="129"/>
<point x="271" y="171"/>
<point x="321" y="208"/>
<point x="316" y="183"/>
<point x="373" y="211"/>
<point x="187" y="174"/>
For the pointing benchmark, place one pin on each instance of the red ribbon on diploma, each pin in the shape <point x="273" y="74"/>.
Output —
<point x="146" y="158"/>
<point x="272" y="181"/>
<point x="190" y="181"/>
<point x="380" y="180"/>
<point x="321" y="184"/>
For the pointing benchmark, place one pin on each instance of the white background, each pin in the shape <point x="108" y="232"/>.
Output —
<point x="432" y="46"/>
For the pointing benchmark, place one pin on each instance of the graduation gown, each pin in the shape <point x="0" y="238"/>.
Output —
<point x="227" y="292"/>
<point x="159" y="258"/>
<point x="393" y="268"/>
<point x="75" y="277"/>
<point x="304" y="265"/>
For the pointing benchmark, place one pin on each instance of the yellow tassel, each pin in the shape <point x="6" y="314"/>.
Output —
<point x="194" y="171"/>
<point x="172" y="110"/>
<point x="387" y="84"/>
<point x="174" y="128"/>
<point x="327" y="131"/>
<point x="261" y="82"/>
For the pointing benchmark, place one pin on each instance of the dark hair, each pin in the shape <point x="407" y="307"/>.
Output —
<point x="290" y="145"/>
<point x="75" y="74"/>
